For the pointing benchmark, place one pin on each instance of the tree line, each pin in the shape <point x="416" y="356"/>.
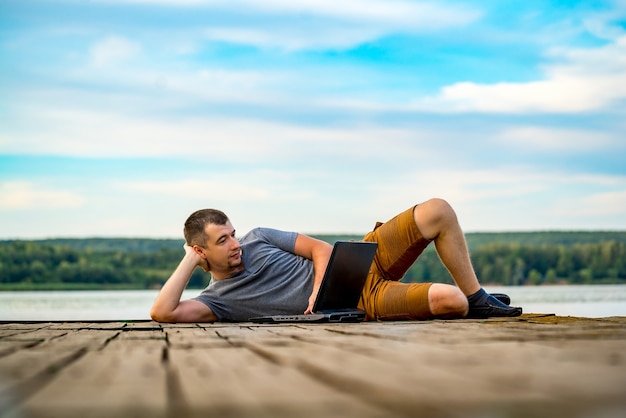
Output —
<point x="498" y="259"/>
<point x="515" y="264"/>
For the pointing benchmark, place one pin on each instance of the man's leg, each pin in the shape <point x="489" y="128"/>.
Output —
<point x="438" y="222"/>
<point x="400" y="243"/>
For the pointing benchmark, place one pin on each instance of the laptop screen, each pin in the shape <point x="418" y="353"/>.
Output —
<point x="345" y="275"/>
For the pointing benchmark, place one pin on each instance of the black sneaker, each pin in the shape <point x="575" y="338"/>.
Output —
<point x="492" y="307"/>
<point x="502" y="298"/>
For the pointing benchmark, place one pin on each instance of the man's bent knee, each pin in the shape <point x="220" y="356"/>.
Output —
<point x="432" y="216"/>
<point x="447" y="301"/>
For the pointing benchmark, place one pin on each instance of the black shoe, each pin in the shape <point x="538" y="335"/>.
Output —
<point x="492" y="307"/>
<point x="502" y="298"/>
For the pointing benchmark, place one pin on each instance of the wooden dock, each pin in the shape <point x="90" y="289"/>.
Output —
<point x="531" y="366"/>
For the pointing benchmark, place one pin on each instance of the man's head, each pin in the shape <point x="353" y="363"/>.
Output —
<point x="195" y="226"/>
<point x="212" y="237"/>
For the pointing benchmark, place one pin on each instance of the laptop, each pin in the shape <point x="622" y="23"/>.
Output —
<point x="341" y="287"/>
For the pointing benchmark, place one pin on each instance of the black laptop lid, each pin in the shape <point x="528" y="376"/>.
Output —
<point x="345" y="276"/>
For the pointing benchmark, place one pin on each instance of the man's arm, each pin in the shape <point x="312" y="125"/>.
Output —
<point x="168" y="307"/>
<point x="319" y="252"/>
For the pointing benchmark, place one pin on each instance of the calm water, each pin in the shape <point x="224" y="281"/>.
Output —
<point x="587" y="301"/>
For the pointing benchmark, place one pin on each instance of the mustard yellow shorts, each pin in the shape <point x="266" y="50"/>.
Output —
<point x="399" y="244"/>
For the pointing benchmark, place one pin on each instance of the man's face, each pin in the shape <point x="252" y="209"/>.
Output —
<point x="222" y="250"/>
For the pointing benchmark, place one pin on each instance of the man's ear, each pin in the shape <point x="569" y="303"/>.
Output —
<point x="198" y="251"/>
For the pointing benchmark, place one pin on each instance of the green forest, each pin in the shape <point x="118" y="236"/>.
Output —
<point x="515" y="258"/>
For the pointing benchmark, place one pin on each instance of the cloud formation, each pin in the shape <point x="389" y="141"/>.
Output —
<point x="20" y="195"/>
<point x="121" y="117"/>
<point x="576" y="80"/>
<point x="112" y="50"/>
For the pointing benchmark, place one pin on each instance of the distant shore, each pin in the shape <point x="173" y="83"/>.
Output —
<point x="502" y="258"/>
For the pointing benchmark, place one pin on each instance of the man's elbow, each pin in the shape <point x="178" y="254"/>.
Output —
<point x="156" y="316"/>
<point x="186" y="311"/>
<point x="159" y="315"/>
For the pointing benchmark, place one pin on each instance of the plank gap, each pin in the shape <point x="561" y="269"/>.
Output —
<point x="18" y="394"/>
<point x="109" y="340"/>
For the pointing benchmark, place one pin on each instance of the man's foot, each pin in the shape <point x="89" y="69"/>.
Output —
<point x="484" y="305"/>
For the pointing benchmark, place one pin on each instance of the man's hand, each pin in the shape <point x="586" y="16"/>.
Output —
<point x="309" y="309"/>
<point x="198" y="261"/>
<point x="318" y="252"/>
<point x="168" y="307"/>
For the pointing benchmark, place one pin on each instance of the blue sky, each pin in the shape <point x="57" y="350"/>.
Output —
<point x="119" y="118"/>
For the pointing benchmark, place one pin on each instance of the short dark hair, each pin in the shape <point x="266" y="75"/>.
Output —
<point x="197" y="221"/>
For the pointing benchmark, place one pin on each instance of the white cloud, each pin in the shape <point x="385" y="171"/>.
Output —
<point x="289" y="39"/>
<point x="101" y="133"/>
<point x="517" y="198"/>
<point x="602" y="23"/>
<point x="226" y="190"/>
<point x="18" y="195"/>
<point x="561" y="140"/>
<point x="311" y="24"/>
<point x="413" y="14"/>
<point x="112" y="50"/>
<point x="514" y="198"/>
<point x="466" y="186"/>
<point x="580" y="80"/>
<point x="341" y="24"/>
<point x="602" y="204"/>
<point x="594" y="209"/>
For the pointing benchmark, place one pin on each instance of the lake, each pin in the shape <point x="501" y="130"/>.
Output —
<point x="587" y="301"/>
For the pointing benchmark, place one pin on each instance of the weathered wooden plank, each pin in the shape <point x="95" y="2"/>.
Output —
<point x="462" y="372"/>
<point x="84" y="338"/>
<point x="12" y="342"/>
<point x="398" y="387"/>
<point x="528" y="366"/>
<point x="44" y="337"/>
<point x="7" y="331"/>
<point x="23" y="372"/>
<point x="512" y="329"/>
<point x="75" y="325"/>
<point x="145" y="325"/>
<point x="25" y="365"/>
<point x="24" y="325"/>
<point x="180" y="325"/>
<point x="45" y="334"/>
<point x="26" y="371"/>
<point x="234" y="381"/>
<point x="509" y="369"/>
<point x="194" y="338"/>
<point x="125" y="379"/>
<point x="580" y="370"/>
<point x="143" y="334"/>
<point x="24" y="339"/>
<point x="8" y="346"/>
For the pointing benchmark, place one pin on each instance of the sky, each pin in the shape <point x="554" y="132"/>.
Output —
<point x="119" y="118"/>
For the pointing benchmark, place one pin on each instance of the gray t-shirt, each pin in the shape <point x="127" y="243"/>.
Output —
<point x="275" y="281"/>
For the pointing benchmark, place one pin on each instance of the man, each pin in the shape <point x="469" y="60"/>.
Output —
<point x="277" y="272"/>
